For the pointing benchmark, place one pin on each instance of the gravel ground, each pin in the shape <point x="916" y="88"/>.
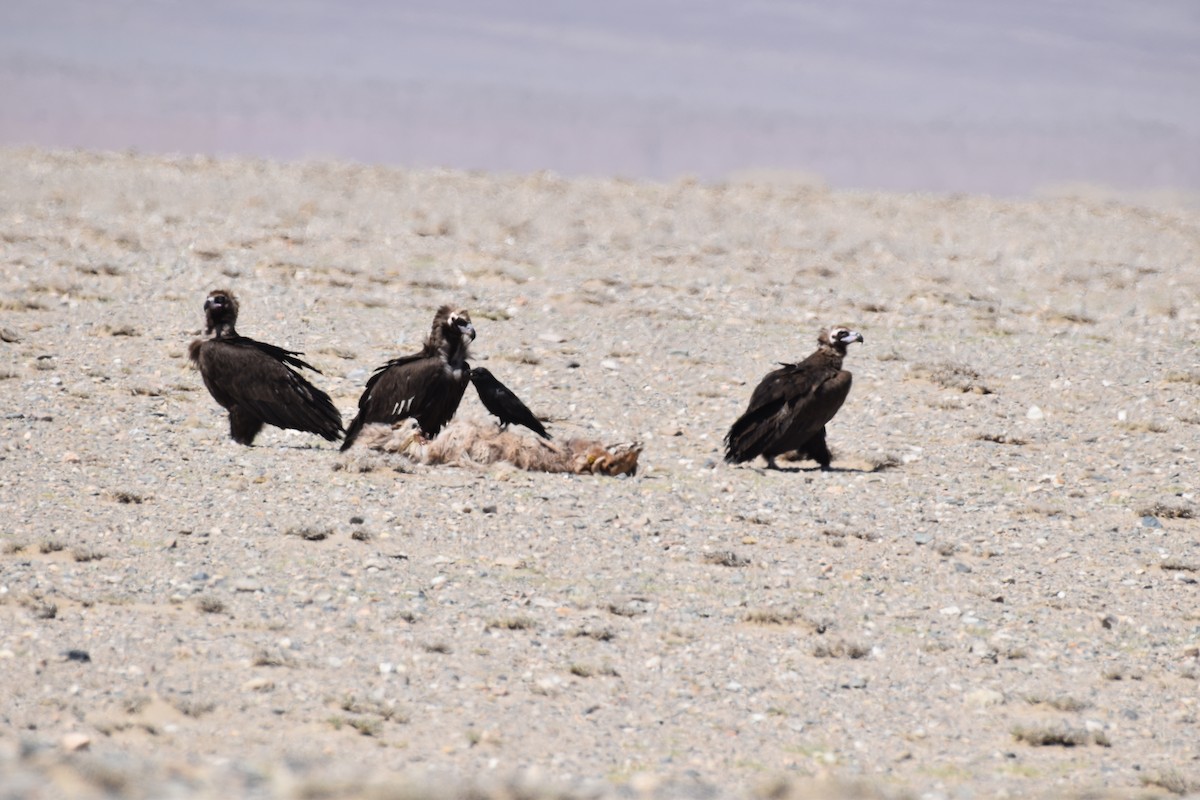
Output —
<point x="994" y="593"/>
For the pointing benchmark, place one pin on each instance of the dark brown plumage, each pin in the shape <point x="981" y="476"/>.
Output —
<point x="426" y="386"/>
<point x="255" y="381"/>
<point x="791" y="405"/>
<point x="503" y="403"/>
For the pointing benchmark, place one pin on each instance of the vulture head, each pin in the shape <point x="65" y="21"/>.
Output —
<point x="451" y="333"/>
<point x="838" y="338"/>
<point x="220" y="310"/>
<point x="459" y="327"/>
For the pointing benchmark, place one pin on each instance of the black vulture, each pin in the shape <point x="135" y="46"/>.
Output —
<point x="426" y="386"/>
<point x="503" y="404"/>
<point x="790" y="407"/>
<point x="255" y="381"/>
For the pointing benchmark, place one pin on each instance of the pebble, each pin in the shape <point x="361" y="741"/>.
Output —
<point x="983" y="698"/>
<point x="74" y="741"/>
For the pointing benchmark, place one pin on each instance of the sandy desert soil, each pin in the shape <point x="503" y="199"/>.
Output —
<point x="994" y="594"/>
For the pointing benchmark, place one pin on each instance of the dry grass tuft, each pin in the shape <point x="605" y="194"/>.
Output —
<point x="882" y="462"/>
<point x="1061" y="735"/>
<point x="1144" y="426"/>
<point x="838" y="648"/>
<point x="84" y="554"/>
<point x="599" y="634"/>
<point x="588" y="671"/>
<point x="272" y="658"/>
<point x="193" y="708"/>
<point x="771" y="616"/>
<point x="1062" y="703"/>
<point x="1001" y="438"/>
<point x="512" y="624"/>
<point x="210" y="605"/>
<point x="952" y="376"/>
<point x="1171" y="781"/>
<point x="726" y="558"/>
<point x="1170" y="508"/>
<point x="309" y="534"/>
<point x="125" y="498"/>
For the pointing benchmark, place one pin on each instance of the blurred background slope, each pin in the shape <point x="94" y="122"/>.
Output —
<point x="926" y="95"/>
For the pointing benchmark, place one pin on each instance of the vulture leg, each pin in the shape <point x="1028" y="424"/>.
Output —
<point x="818" y="451"/>
<point x="243" y="426"/>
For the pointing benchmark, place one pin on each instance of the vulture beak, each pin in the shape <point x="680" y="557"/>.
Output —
<point x="468" y="331"/>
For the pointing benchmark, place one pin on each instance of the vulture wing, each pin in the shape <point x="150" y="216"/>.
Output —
<point x="421" y="387"/>
<point x="253" y="380"/>
<point x="278" y="353"/>
<point x="787" y="408"/>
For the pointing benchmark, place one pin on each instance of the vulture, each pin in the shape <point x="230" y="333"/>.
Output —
<point x="255" y="381"/>
<point x="790" y="407"/>
<point x="500" y="401"/>
<point x="426" y="386"/>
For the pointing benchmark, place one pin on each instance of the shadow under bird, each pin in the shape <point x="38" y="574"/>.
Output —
<point x="502" y="403"/>
<point x="790" y="407"/>
<point x="255" y="381"/>
<point x="426" y="386"/>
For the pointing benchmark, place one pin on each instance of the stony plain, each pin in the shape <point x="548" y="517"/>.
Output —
<point x="993" y="594"/>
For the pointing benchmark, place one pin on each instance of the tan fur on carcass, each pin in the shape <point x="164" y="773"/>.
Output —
<point x="463" y="441"/>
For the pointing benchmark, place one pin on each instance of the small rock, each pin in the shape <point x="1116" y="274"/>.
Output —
<point x="632" y="607"/>
<point x="983" y="698"/>
<point x="81" y="656"/>
<point x="1035" y="413"/>
<point x="1150" y="522"/>
<point x="922" y="538"/>
<point x="72" y="742"/>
